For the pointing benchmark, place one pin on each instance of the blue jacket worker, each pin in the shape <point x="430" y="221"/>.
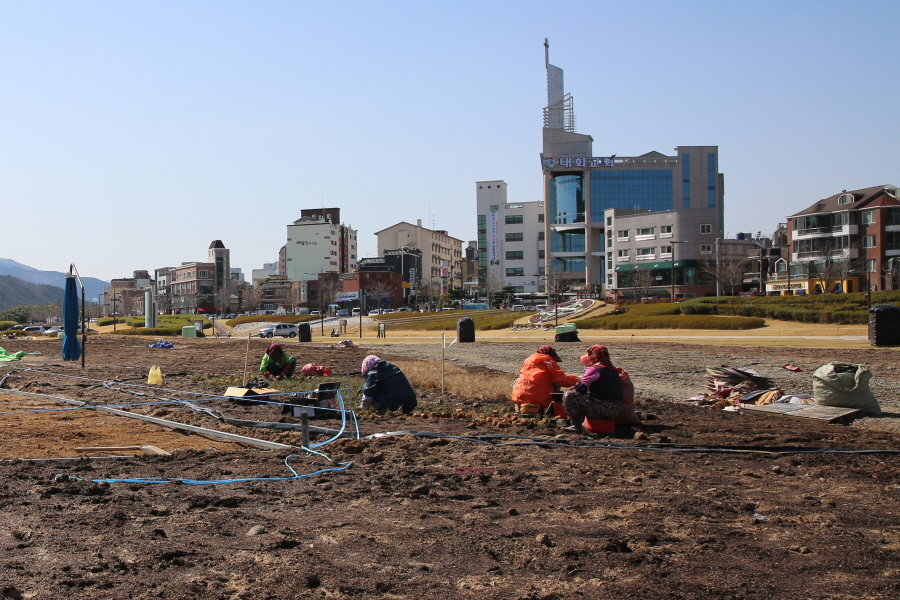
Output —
<point x="386" y="387"/>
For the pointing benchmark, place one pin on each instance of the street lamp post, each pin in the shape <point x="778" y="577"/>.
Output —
<point x="673" y="266"/>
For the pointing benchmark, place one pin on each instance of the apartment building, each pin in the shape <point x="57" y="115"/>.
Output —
<point x="441" y="254"/>
<point x="510" y="240"/>
<point x="318" y="242"/>
<point x="579" y="189"/>
<point x="846" y="242"/>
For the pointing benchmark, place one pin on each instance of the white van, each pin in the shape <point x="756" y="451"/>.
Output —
<point x="354" y="312"/>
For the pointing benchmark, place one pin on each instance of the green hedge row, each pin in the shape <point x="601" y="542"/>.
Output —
<point x="272" y="319"/>
<point x="841" y="309"/>
<point x="482" y="322"/>
<point x="157" y="331"/>
<point x="629" y="321"/>
<point x="4" y="325"/>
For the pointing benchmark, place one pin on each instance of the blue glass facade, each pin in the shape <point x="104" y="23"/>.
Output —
<point x="567" y="241"/>
<point x="571" y="264"/>
<point x="567" y="199"/>
<point x="686" y="181"/>
<point x="622" y="188"/>
<point x="711" y="180"/>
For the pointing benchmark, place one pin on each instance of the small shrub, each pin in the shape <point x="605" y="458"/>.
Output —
<point x="4" y="325"/>
<point x="104" y="321"/>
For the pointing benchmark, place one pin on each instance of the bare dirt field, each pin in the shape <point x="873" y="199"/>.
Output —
<point x="706" y="504"/>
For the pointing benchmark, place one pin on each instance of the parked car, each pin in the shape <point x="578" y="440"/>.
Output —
<point x="231" y="316"/>
<point x="279" y="329"/>
<point x="315" y="312"/>
<point x="540" y="307"/>
<point x="518" y="307"/>
<point x="53" y="330"/>
<point x="354" y="312"/>
<point x="343" y="312"/>
<point x="374" y="312"/>
<point x="34" y="329"/>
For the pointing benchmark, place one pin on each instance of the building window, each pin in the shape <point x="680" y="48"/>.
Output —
<point x="868" y="241"/>
<point x="845" y="199"/>
<point x="705" y="248"/>
<point x="515" y="271"/>
<point x="622" y="234"/>
<point x="541" y="254"/>
<point x="515" y="255"/>
<point x="540" y="236"/>
<point x="609" y="221"/>
<point x="711" y="180"/>
<point x="870" y="266"/>
<point x="203" y="273"/>
<point x="540" y="217"/>
<point x="515" y="237"/>
<point x="646" y="251"/>
<point x="686" y="181"/>
<point x="705" y="228"/>
<point x="663" y="229"/>
<point x="868" y="217"/>
<point x="566" y="199"/>
<point x="513" y="205"/>
<point x="665" y="249"/>
<point x="514" y="219"/>
<point x="646" y="230"/>
<point x="623" y="253"/>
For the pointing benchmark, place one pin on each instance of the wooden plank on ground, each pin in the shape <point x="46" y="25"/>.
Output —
<point x="829" y="414"/>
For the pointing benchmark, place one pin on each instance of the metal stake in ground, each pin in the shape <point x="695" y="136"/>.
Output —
<point x="246" y="358"/>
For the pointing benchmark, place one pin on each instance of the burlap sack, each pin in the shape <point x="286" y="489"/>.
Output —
<point x="847" y="386"/>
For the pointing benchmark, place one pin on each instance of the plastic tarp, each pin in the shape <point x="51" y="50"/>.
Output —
<point x="71" y="348"/>
<point x="7" y="357"/>
<point x="847" y="386"/>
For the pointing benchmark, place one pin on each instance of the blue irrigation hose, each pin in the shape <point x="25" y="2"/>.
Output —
<point x="219" y="481"/>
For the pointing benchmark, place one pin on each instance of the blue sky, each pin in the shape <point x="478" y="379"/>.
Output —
<point x="155" y="128"/>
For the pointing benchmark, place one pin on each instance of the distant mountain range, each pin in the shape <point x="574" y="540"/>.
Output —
<point x="93" y="287"/>
<point x="15" y="292"/>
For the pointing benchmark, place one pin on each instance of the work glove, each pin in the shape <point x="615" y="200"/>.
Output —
<point x="268" y="375"/>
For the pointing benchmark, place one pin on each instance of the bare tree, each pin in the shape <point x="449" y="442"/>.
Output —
<point x="727" y="269"/>
<point x="492" y="283"/>
<point x="833" y="266"/>
<point x="381" y="290"/>
<point x="252" y="298"/>
<point x="329" y="288"/>
<point x="891" y="273"/>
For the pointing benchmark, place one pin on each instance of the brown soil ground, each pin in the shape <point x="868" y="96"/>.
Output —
<point x="705" y="505"/>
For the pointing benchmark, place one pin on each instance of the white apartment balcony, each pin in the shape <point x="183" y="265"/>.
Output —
<point x="624" y="239"/>
<point x="641" y="257"/>
<point x="816" y="232"/>
<point x="666" y="235"/>
<point x="846" y="253"/>
<point x="622" y="258"/>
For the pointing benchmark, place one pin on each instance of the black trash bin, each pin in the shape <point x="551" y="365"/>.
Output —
<point x="303" y="332"/>
<point x="465" y="330"/>
<point x="884" y="325"/>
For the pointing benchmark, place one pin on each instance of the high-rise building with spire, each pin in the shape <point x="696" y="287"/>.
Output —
<point x="609" y="217"/>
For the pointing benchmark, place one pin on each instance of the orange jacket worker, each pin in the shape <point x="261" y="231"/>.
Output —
<point x="537" y="377"/>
